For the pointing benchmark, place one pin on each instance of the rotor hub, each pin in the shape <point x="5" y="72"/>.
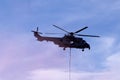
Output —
<point x="71" y="34"/>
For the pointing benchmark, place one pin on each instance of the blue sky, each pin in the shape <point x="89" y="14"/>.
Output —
<point x="24" y="58"/>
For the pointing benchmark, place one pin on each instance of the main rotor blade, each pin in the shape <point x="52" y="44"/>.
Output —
<point x="60" y="28"/>
<point x="53" y="33"/>
<point x="37" y="31"/>
<point x="87" y="35"/>
<point x="81" y="29"/>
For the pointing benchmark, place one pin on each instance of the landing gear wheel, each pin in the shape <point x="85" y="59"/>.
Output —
<point x="82" y="49"/>
<point x="64" y="48"/>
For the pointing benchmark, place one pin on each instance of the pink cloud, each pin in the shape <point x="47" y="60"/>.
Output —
<point x="56" y="74"/>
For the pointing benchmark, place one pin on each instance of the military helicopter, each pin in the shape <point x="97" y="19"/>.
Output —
<point x="69" y="40"/>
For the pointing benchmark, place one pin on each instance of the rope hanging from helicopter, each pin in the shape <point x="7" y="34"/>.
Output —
<point x="70" y="64"/>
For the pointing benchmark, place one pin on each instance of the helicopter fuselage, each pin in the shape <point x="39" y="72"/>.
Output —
<point x="66" y="42"/>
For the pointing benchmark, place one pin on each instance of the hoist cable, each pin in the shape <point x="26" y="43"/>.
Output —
<point x="70" y="65"/>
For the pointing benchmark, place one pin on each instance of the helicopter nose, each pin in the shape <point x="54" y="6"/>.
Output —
<point x="87" y="45"/>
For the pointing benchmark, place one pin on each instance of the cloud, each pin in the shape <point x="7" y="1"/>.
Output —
<point x="47" y="75"/>
<point x="111" y="73"/>
<point x="113" y="62"/>
<point x="21" y="53"/>
<point x="106" y="43"/>
<point x="54" y="74"/>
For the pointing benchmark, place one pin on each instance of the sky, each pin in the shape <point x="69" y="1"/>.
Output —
<point x="22" y="57"/>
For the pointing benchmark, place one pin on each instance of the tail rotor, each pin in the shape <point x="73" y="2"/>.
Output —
<point x="37" y="31"/>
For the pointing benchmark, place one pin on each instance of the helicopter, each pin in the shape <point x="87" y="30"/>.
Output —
<point x="69" y="40"/>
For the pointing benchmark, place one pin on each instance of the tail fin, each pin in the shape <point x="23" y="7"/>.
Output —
<point x="36" y="33"/>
